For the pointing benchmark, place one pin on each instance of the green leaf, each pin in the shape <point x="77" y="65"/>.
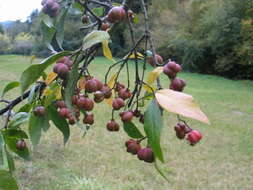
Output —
<point x="49" y="22"/>
<point x="33" y="94"/>
<point x="70" y="88"/>
<point x="94" y="37"/>
<point x="7" y="181"/>
<point x="25" y="108"/>
<point x="161" y="172"/>
<point x="32" y="73"/>
<point x="3" y="154"/>
<point x="132" y="130"/>
<point x="19" y="119"/>
<point x="36" y="124"/>
<point x="59" y="122"/>
<point x="48" y="34"/>
<point x="12" y="136"/>
<point x="99" y="11"/>
<point x="10" y="86"/>
<point x="60" y="27"/>
<point x="10" y="161"/>
<point x="78" y="6"/>
<point x="153" y="124"/>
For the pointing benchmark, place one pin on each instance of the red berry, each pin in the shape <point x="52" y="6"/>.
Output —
<point x="174" y="66"/>
<point x="107" y="91"/>
<point x="72" y="120"/>
<point x="116" y="14"/>
<point x="99" y="84"/>
<point x="118" y="103"/>
<point x="63" y="71"/>
<point x="129" y="141"/>
<point x="177" y="84"/>
<point x="134" y="147"/>
<point x="60" y="104"/>
<point x="169" y="72"/>
<point x="105" y="26"/>
<point x="151" y="60"/>
<point x="88" y="119"/>
<point x="124" y="94"/>
<point x="85" y="19"/>
<point x="39" y="111"/>
<point x="141" y="119"/>
<point x="119" y="86"/>
<point x="137" y="113"/>
<point x="21" y="144"/>
<point x="91" y="86"/>
<point x="194" y="137"/>
<point x="127" y="116"/>
<point x="64" y="112"/>
<point x="146" y="154"/>
<point x="112" y="126"/>
<point x="74" y="99"/>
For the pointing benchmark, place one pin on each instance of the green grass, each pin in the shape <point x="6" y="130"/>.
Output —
<point x="223" y="159"/>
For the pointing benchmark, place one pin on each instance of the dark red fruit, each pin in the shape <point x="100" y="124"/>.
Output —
<point x="107" y="91"/>
<point x="91" y="86"/>
<point x="112" y="126"/>
<point x="124" y="94"/>
<point x="50" y="7"/>
<point x="194" y="137"/>
<point x="137" y="113"/>
<point x="72" y="120"/>
<point x="127" y="116"/>
<point x="99" y="84"/>
<point x="56" y="67"/>
<point x="85" y="19"/>
<point x="177" y="84"/>
<point x="85" y="103"/>
<point x="146" y="154"/>
<point x="151" y="60"/>
<point x="129" y="141"/>
<point x="64" y="112"/>
<point x="39" y="111"/>
<point x="21" y="145"/>
<point x="174" y="66"/>
<point x="60" y="104"/>
<point x="134" y="147"/>
<point x="169" y="72"/>
<point x="105" y="26"/>
<point x="63" y="71"/>
<point x="118" y="103"/>
<point x="116" y="14"/>
<point x="119" y="86"/>
<point x="88" y="119"/>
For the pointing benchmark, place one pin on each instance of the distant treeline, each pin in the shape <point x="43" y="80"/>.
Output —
<point x="206" y="36"/>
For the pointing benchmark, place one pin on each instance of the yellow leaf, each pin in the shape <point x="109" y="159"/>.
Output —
<point x="111" y="84"/>
<point x="47" y="92"/>
<point x="50" y="78"/>
<point x="153" y="75"/>
<point x="149" y="88"/>
<point x="58" y="95"/>
<point x="33" y="57"/>
<point x="139" y="56"/>
<point x="180" y="103"/>
<point x="106" y="50"/>
<point x="81" y="83"/>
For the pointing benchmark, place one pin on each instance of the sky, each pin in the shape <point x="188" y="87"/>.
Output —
<point x="17" y="9"/>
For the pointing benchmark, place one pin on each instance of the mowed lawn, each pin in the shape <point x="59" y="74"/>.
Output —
<point x="99" y="161"/>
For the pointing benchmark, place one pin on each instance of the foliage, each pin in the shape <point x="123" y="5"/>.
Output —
<point x="64" y="97"/>
<point x="5" y="43"/>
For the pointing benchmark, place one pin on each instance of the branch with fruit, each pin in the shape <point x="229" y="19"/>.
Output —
<point x="67" y="95"/>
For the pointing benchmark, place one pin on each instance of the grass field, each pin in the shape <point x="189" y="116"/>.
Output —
<point x="222" y="161"/>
